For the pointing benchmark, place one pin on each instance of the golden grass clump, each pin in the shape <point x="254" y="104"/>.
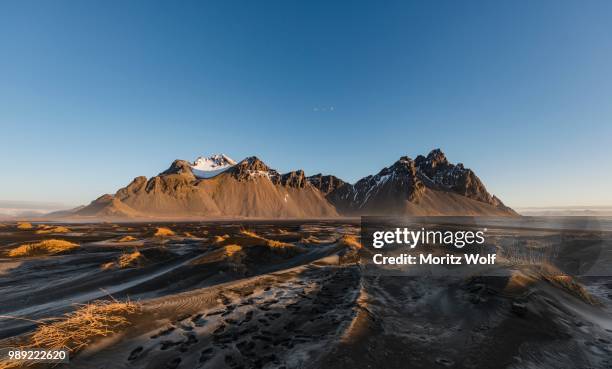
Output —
<point x="259" y="240"/>
<point x="277" y="244"/>
<point x="351" y="241"/>
<point x="24" y="225"/>
<point x="45" y="247"/>
<point x="231" y="250"/>
<point x="50" y="229"/>
<point x="164" y="232"/>
<point x="219" y="239"/>
<point x="126" y="260"/>
<point x="569" y="284"/>
<point x="248" y="233"/>
<point x="130" y="260"/>
<point x="278" y="247"/>
<point x="521" y="280"/>
<point x="127" y="239"/>
<point x="77" y="329"/>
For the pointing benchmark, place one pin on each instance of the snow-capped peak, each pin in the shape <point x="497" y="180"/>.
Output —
<point x="206" y="167"/>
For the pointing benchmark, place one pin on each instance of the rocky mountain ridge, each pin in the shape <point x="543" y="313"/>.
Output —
<point x="427" y="185"/>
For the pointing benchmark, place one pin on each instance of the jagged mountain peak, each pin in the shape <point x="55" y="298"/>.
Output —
<point x="250" y="168"/>
<point x="325" y="183"/>
<point x="179" y="167"/>
<point x="415" y="182"/>
<point x="427" y="185"/>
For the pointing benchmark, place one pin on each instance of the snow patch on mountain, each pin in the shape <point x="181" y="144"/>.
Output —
<point x="208" y="167"/>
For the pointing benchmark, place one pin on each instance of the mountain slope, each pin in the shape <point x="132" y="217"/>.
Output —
<point x="425" y="186"/>
<point x="217" y="186"/>
<point x="247" y="189"/>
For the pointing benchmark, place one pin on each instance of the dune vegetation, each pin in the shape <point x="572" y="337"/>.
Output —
<point x="130" y="260"/>
<point x="350" y="241"/>
<point x="46" y="229"/>
<point x="76" y="330"/>
<point x="250" y="238"/>
<point x="220" y="239"/>
<point x="45" y="247"/>
<point x="521" y="280"/>
<point x="127" y="239"/>
<point x="231" y="250"/>
<point x="259" y="240"/>
<point x="163" y="232"/>
<point x="133" y="259"/>
<point x="24" y="225"/>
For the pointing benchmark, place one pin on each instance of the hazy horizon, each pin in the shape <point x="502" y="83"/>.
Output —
<point x="95" y="94"/>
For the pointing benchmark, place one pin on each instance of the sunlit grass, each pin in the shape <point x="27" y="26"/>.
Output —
<point x="163" y="232"/>
<point x="24" y="225"/>
<point x="45" y="247"/>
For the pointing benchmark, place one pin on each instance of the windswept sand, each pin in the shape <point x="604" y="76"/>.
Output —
<point x="239" y="299"/>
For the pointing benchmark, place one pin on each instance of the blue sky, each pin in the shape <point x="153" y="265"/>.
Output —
<point x="94" y="93"/>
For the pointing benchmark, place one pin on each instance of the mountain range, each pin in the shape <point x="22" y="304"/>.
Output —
<point x="219" y="187"/>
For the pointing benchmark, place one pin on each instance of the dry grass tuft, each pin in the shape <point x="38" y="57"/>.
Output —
<point x="279" y="247"/>
<point x="79" y="328"/>
<point x="277" y="244"/>
<point x="76" y="330"/>
<point x="127" y="239"/>
<point x="24" y="225"/>
<point x="248" y="233"/>
<point x="45" y="247"/>
<point x="351" y="241"/>
<point x="569" y="284"/>
<point x="126" y="260"/>
<point x="259" y="240"/>
<point x="50" y="229"/>
<point x="520" y="281"/>
<point x="220" y="239"/>
<point x="163" y="232"/>
<point x="231" y="250"/>
<point x="133" y="259"/>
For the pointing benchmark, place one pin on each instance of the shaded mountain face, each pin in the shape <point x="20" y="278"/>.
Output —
<point x="326" y="184"/>
<point x="219" y="187"/>
<point x="425" y="186"/>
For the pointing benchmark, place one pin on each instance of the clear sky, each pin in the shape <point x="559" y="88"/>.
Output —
<point x="94" y="93"/>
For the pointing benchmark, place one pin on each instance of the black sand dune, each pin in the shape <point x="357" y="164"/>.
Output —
<point x="289" y="295"/>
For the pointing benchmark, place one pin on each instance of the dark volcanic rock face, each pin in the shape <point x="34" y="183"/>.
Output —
<point x="455" y="178"/>
<point x="294" y="179"/>
<point x="409" y="186"/>
<point x="252" y="167"/>
<point x="385" y="190"/>
<point x="326" y="184"/>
